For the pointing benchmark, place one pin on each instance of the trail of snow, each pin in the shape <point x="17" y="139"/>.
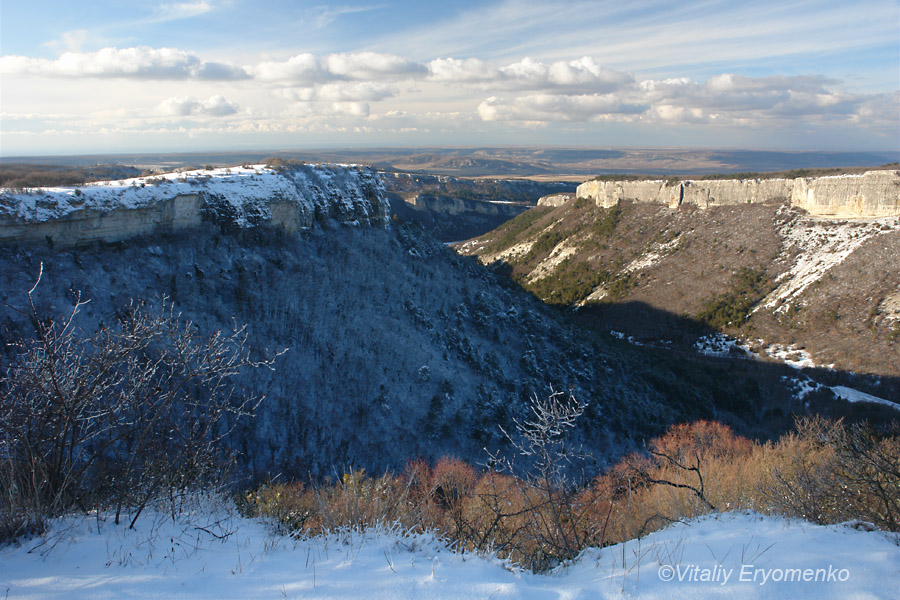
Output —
<point x="732" y="555"/>
<point x="823" y="245"/>
<point x="653" y="255"/>
<point x="719" y="344"/>
<point x="851" y="395"/>
<point x="558" y="254"/>
<point x="792" y="356"/>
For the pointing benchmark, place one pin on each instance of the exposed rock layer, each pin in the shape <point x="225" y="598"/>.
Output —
<point x="289" y="199"/>
<point x="872" y="194"/>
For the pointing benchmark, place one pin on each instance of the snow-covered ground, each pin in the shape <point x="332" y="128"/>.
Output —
<point x="719" y="344"/>
<point x="802" y="386"/>
<point x="823" y="244"/>
<point x="304" y="184"/>
<point x="792" y="356"/>
<point x="732" y="555"/>
<point x="851" y="395"/>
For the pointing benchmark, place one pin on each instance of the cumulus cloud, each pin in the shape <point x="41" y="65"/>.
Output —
<point x="557" y="107"/>
<point x="454" y="70"/>
<point x="582" y="75"/>
<point x="140" y="62"/>
<point x="371" y="65"/>
<point x="749" y="99"/>
<point x="723" y="99"/>
<point x="302" y="68"/>
<point x="324" y="110"/>
<point x="354" y="66"/>
<point x="185" y="106"/>
<point x="356" y="91"/>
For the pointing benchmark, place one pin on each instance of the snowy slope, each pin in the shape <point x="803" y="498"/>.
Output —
<point x="726" y="556"/>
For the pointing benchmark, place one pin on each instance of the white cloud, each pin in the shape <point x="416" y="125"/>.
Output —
<point x="329" y="110"/>
<point x="303" y="94"/>
<point x="184" y="106"/>
<point x="722" y="99"/>
<point x="356" y="90"/>
<point x="371" y="65"/>
<point x="360" y="66"/>
<point x="581" y="75"/>
<point x="557" y="107"/>
<point x="456" y="70"/>
<point x="679" y="114"/>
<point x="302" y="68"/>
<point x="140" y="62"/>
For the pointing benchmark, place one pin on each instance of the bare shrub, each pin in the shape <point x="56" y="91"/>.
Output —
<point x="828" y="472"/>
<point x="117" y="418"/>
<point x="537" y="517"/>
<point x="547" y="520"/>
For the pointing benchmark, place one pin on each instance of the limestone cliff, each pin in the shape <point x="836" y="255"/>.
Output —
<point x="872" y="194"/>
<point x="452" y="205"/>
<point x="239" y="197"/>
<point x="555" y="200"/>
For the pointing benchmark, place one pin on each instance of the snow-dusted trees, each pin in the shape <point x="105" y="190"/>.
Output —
<point x="114" y="419"/>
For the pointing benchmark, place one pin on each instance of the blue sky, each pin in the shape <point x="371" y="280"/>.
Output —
<point x="108" y="76"/>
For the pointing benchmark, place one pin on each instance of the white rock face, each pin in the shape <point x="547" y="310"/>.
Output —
<point x="292" y="198"/>
<point x="872" y="194"/>
<point x="554" y="200"/>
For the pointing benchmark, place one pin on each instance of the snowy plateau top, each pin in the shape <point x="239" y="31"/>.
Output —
<point x="256" y="195"/>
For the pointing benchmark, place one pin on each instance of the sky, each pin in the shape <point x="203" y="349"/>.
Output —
<point x="117" y="76"/>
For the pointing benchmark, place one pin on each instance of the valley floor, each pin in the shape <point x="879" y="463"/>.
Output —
<point x="219" y="554"/>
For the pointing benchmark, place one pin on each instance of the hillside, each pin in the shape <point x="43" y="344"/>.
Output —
<point x="790" y="286"/>
<point x="453" y="209"/>
<point x="398" y="347"/>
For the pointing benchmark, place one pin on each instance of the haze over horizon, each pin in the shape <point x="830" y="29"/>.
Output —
<point x="202" y="75"/>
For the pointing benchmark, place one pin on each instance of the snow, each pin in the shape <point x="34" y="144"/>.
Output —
<point x="730" y="555"/>
<point x="719" y="344"/>
<point x="306" y="185"/>
<point x="802" y="387"/>
<point x="851" y="395"/>
<point x="791" y="355"/>
<point x="557" y="255"/>
<point x="822" y="246"/>
<point x="653" y="255"/>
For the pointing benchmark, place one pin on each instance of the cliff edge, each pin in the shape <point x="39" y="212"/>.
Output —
<point x="872" y="194"/>
<point x="237" y="197"/>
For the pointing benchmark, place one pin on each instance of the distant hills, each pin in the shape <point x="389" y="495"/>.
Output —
<point x="494" y="161"/>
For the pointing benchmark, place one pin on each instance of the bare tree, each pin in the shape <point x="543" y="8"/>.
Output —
<point x="550" y="531"/>
<point x="114" y="419"/>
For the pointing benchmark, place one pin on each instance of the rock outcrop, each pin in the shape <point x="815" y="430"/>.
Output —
<point x="555" y="200"/>
<point x="452" y="205"/>
<point x="240" y="197"/>
<point x="872" y="194"/>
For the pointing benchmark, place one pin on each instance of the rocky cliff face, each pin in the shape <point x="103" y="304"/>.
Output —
<point x="872" y="194"/>
<point x="239" y="197"/>
<point x="452" y="205"/>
